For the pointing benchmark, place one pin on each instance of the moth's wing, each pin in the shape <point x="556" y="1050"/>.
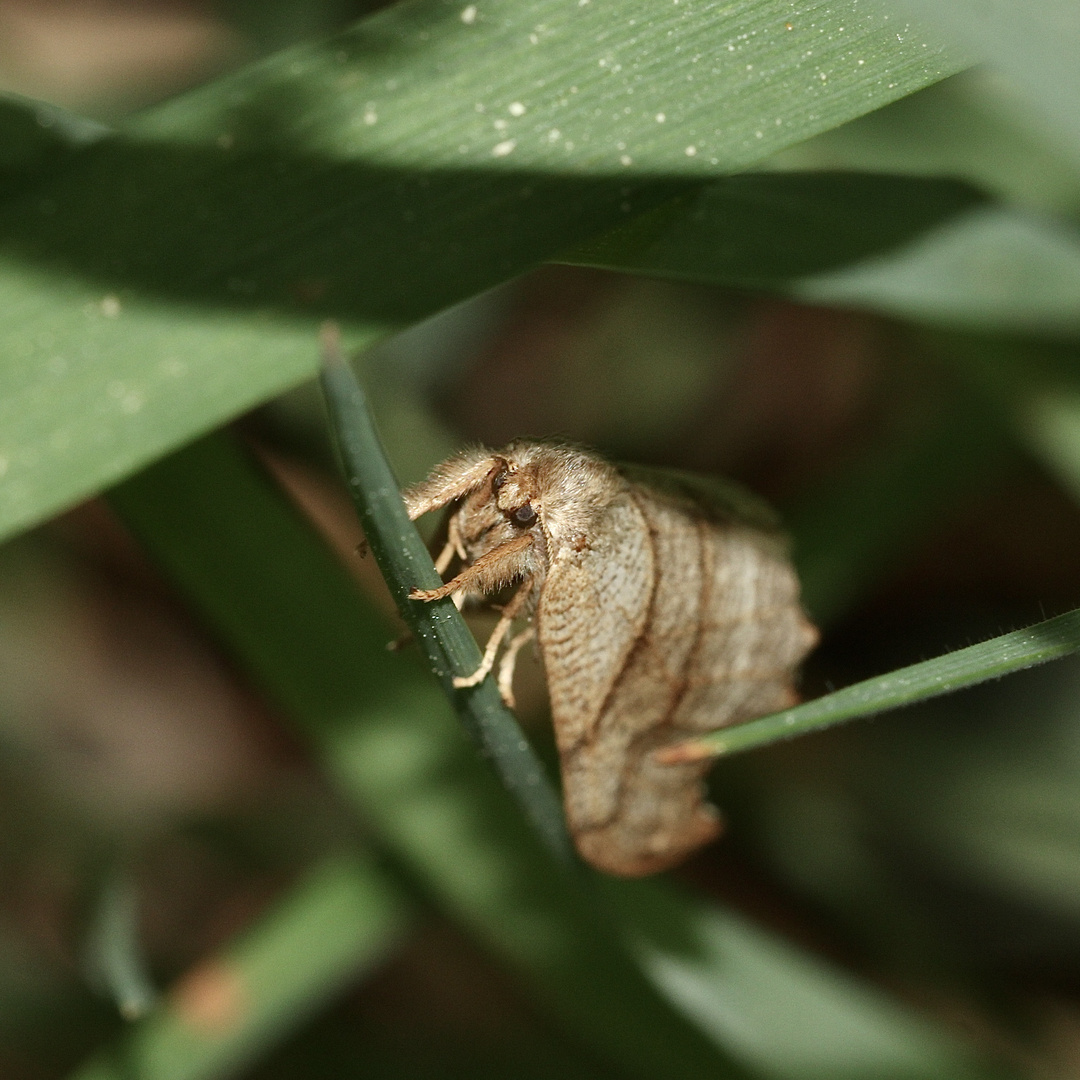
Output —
<point x="718" y="640"/>
<point x="592" y="612"/>
<point x="603" y="612"/>
<point x="714" y="498"/>
<point x="753" y="632"/>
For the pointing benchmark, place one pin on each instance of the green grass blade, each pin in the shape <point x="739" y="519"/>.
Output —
<point x="991" y="659"/>
<point x="169" y="277"/>
<point x="438" y="627"/>
<point x="335" y="924"/>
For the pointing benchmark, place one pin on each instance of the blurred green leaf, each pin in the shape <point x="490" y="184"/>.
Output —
<point x="335" y="924"/>
<point x="965" y="127"/>
<point x="993" y="269"/>
<point x="1034" y="44"/>
<point x="947" y="839"/>
<point x="762" y="229"/>
<point x="788" y="1012"/>
<point x="164" y="279"/>
<point x="910" y="247"/>
<point x="1049" y="422"/>
<point x="36" y="139"/>
<point x="1003" y="655"/>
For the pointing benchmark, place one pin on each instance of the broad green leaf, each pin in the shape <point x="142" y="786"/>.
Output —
<point x="166" y="278"/>
<point x="335" y="924"/>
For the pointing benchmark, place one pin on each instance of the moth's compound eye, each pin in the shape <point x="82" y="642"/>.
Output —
<point x="498" y="481"/>
<point x="524" y="515"/>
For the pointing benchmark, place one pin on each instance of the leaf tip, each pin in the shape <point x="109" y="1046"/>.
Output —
<point x="691" y="750"/>
<point x="330" y="345"/>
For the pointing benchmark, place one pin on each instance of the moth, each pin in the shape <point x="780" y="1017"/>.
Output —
<point x="664" y="606"/>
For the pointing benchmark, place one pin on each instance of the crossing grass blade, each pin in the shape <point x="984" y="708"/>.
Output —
<point x="1038" y="644"/>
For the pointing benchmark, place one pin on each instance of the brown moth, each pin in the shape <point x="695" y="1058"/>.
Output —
<point x="662" y="611"/>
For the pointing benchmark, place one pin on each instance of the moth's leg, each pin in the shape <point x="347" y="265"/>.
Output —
<point x="489" y="573"/>
<point x="443" y="561"/>
<point x="451" y="480"/>
<point x="509" y="613"/>
<point x="453" y="534"/>
<point x="509" y="661"/>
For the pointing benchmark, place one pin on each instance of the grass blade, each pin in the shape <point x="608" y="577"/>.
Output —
<point x="1048" y="640"/>
<point x="439" y="628"/>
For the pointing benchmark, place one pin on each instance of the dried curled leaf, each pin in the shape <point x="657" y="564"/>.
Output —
<point x="660" y="610"/>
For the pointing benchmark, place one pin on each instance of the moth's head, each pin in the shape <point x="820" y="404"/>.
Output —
<point x="558" y="490"/>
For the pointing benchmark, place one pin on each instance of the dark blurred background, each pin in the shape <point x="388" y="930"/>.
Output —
<point x="935" y="852"/>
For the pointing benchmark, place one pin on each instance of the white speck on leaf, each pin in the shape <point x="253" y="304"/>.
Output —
<point x="370" y="116"/>
<point x="516" y="109"/>
<point x="503" y="148"/>
<point x="660" y="117"/>
<point x="110" y="306"/>
<point x="554" y="135"/>
<point x="690" y="151"/>
<point x="468" y="15"/>
<point x="626" y="159"/>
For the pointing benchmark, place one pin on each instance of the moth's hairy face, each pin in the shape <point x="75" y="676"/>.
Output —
<point x="554" y="493"/>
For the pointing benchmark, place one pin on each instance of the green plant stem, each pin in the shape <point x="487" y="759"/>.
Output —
<point x="991" y="659"/>
<point x="438" y="627"/>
